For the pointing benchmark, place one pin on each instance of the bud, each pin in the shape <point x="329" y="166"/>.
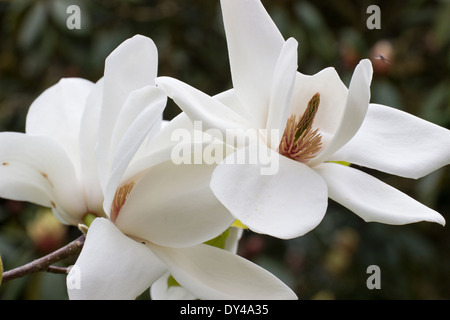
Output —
<point x="46" y="232"/>
<point x="83" y="228"/>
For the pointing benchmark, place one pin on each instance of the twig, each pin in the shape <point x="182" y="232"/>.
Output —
<point x="55" y="269"/>
<point x="45" y="263"/>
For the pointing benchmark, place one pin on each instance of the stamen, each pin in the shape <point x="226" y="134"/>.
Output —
<point x="299" y="141"/>
<point x="120" y="198"/>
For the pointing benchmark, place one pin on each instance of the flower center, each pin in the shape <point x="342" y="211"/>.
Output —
<point x="300" y="142"/>
<point x="120" y="198"/>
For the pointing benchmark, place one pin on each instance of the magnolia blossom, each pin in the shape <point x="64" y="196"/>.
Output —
<point x="56" y="162"/>
<point x="98" y="150"/>
<point x="320" y="122"/>
<point x="43" y="165"/>
<point x="160" y="214"/>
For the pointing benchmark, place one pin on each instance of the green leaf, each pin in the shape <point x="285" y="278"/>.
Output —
<point x="239" y="224"/>
<point x="343" y="163"/>
<point x="171" y="282"/>
<point x="219" y="241"/>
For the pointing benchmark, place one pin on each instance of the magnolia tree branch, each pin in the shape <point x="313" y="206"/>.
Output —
<point x="45" y="263"/>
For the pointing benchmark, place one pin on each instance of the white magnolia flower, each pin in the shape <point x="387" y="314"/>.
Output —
<point x="97" y="150"/>
<point x="44" y="165"/>
<point x="55" y="163"/>
<point x="320" y="121"/>
<point x="160" y="214"/>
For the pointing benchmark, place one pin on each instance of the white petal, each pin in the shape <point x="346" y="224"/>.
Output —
<point x="160" y="290"/>
<point x="232" y="242"/>
<point x="282" y="86"/>
<point x="112" y="266"/>
<point x="287" y="203"/>
<point x="139" y="165"/>
<point x="333" y="94"/>
<point x="164" y="137"/>
<point x="57" y="113"/>
<point x="372" y="199"/>
<point x="180" y="134"/>
<point x="254" y="46"/>
<point x="131" y="66"/>
<point x="133" y="112"/>
<point x="172" y="205"/>
<point x="88" y="140"/>
<point x="231" y="100"/>
<point x="141" y="112"/>
<point x="211" y="273"/>
<point x="200" y="107"/>
<point x="355" y="110"/>
<point x="37" y="169"/>
<point x="398" y="143"/>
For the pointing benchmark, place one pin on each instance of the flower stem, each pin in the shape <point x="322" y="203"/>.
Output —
<point x="45" y="263"/>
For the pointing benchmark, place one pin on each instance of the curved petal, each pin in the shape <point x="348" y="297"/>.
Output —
<point x="398" y="143"/>
<point x="201" y="107"/>
<point x="232" y="242"/>
<point x="355" y="110"/>
<point x="333" y="94"/>
<point x="254" y="46"/>
<point x="172" y="205"/>
<point x="112" y="266"/>
<point x="164" y="138"/>
<point x="37" y="169"/>
<point x="181" y="136"/>
<point x="282" y="86"/>
<point x="131" y="66"/>
<point x="372" y="199"/>
<point x="142" y="105"/>
<point x="88" y="140"/>
<point x="140" y="114"/>
<point x="231" y="100"/>
<point x="57" y="114"/>
<point x="160" y="290"/>
<point x="139" y="165"/>
<point x="287" y="203"/>
<point x="211" y="273"/>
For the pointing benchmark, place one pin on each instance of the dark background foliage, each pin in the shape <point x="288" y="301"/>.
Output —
<point x="37" y="49"/>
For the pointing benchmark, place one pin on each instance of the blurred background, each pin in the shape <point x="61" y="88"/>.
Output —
<point x="37" y="49"/>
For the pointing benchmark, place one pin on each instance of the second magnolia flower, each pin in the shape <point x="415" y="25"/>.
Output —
<point x="322" y="121"/>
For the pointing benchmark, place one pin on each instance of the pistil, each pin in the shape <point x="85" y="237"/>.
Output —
<point x="300" y="142"/>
